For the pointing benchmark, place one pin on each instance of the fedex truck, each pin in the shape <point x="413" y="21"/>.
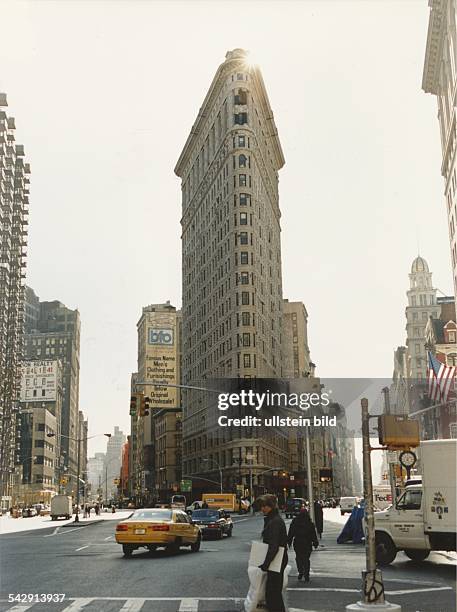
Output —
<point x="423" y="518"/>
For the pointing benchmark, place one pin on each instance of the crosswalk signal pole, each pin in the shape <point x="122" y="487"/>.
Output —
<point x="372" y="585"/>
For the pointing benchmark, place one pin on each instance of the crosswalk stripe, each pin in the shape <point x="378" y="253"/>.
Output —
<point x="188" y="605"/>
<point x="78" y="604"/>
<point x="132" y="605"/>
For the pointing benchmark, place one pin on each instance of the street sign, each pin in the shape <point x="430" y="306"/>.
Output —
<point x="186" y="486"/>
<point x="392" y="457"/>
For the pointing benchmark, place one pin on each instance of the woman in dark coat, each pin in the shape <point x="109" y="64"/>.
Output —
<point x="302" y="534"/>
<point x="275" y="535"/>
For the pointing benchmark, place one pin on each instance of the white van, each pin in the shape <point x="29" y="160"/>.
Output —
<point x="347" y="504"/>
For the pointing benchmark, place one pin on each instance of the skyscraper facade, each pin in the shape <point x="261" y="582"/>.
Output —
<point x="56" y="335"/>
<point x="159" y="360"/>
<point x="440" y="79"/>
<point x="231" y="260"/>
<point x="14" y="202"/>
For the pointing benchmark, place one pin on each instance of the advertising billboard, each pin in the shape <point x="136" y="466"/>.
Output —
<point x="39" y="381"/>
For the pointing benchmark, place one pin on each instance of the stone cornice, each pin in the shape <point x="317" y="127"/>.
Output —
<point x="434" y="47"/>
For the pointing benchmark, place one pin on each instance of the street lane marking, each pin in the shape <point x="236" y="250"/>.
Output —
<point x="132" y="605"/>
<point x="20" y="608"/>
<point x="78" y="604"/>
<point x="108" y="538"/>
<point x="55" y="532"/>
<point x="66" y="531"/>
<point x="188" y="605"/>
<point x="82" y="548"/>
<point x="408" y="591"/>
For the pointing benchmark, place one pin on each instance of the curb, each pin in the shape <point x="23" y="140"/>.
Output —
<point x="81" y="523"/>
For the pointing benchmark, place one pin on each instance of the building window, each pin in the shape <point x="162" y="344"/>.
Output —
<point x="245" y="298"/>
<point x="244" y="257"/>
<point x="240" y="118"/>
<point x="451" y="337"/>
<point x="241" y="141"/>
<point x="242" y="161"/>
<point x="243" y="238"/>
<point x="241" y="97"/>
<point x="246" y="318"/>
<point x="244" y="278"/>
<point x="246" y="339"/>
<point x="245" y="199"/>
<point x="242" y="179"/>
<point x="247" y="361"/>
<point x="243" y="218"/>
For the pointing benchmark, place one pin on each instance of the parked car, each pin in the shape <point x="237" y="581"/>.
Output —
<point x="213" y="523"/>
<point x="157" y="527"/>
<point x="294" y="505"/>
<point x="27" y="512"/>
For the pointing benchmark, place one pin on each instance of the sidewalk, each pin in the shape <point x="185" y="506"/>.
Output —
<point x="13" y="525"/>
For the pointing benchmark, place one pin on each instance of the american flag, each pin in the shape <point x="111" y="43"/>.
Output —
<point x="440" y="379"/>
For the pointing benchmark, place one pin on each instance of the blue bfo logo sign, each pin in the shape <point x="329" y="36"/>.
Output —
<point x="162" y="337"/>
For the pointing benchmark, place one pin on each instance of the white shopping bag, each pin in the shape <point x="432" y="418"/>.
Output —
<point x="255" y="599"/>
<point x="259" y="552"/>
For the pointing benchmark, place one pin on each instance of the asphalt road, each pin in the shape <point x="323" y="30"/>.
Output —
<point x="86" y="565"/>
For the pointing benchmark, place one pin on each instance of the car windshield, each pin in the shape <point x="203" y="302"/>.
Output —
<point x="152" y="515"/>
<point x="205" y="514"/>
<point x="296" y="502"/>
<point x="178" y="499"/>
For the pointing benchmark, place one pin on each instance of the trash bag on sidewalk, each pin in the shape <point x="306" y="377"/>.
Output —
<point x="255" y="599"/>
<point x="353" y="529"/>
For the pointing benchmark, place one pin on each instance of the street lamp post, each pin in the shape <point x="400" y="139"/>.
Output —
<point x="79" y="439"/>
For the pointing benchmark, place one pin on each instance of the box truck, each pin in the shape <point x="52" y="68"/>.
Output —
<point x="423" y="518"/>
<point x="61" y="506"/>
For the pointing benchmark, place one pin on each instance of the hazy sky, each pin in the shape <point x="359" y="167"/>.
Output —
<point x="104" y="95"/>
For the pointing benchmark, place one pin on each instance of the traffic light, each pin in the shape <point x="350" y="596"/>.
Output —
<point x="397" y="432"/>
<point x="145" y="405"/>
<point x="325" y="475"/>
<point x="134" y="404"/>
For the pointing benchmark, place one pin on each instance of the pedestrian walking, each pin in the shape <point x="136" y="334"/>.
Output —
<point x="319" y="517"/>
<point x="275" y="535"/>
<point x="205" y="506"/>
<point x="86" y="511"/>
<point x="302" y="534"/>
<point x="97" y="509"/>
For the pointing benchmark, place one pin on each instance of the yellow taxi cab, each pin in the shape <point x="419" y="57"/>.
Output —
<point x="155" y="527"/>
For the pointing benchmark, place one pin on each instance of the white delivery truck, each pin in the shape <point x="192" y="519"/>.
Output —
<point x="424" y="516"/>
<point x="61" y="506"/>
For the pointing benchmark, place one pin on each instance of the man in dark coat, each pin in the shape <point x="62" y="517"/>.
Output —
<point x="275" y="535"/>
<point x="319" y="517"/>
<point x="303" y="535"/>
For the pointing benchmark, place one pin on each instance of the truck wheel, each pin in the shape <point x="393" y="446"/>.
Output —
<point x="127" y="550"/>
<point x="385" y="549"/>
<point x="417" y="555"/>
